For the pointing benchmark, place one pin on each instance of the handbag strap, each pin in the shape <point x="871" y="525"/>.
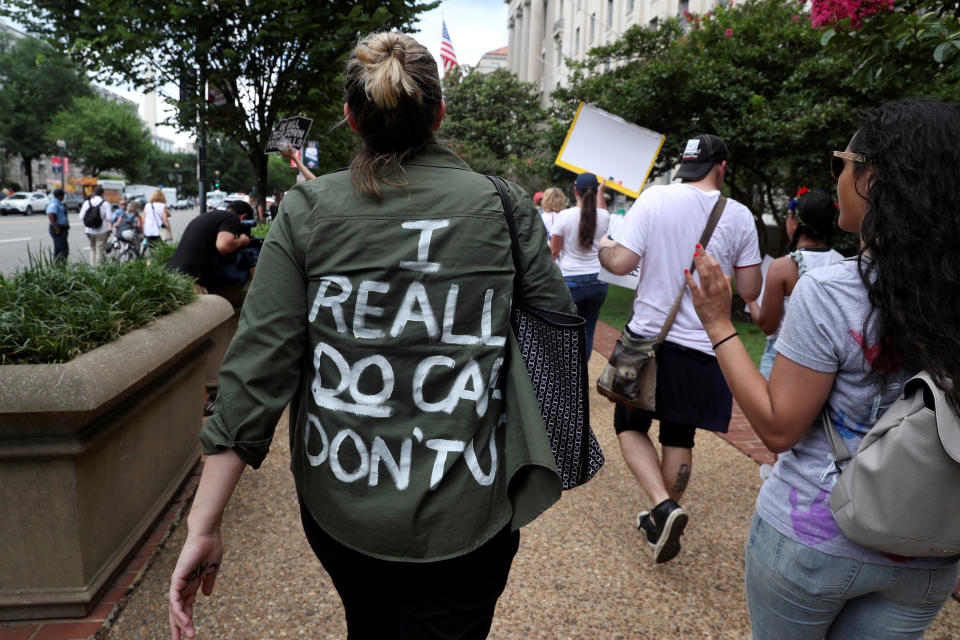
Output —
<point x="712" y="221"/>
<point x="837" y="445"/>
<point x="512" y="226"/>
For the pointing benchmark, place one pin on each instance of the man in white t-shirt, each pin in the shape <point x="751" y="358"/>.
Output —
<point x="662" y="229"/>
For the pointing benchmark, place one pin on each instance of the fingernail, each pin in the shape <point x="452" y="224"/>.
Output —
<point x="686" y="271"/>
<point x="696" y="254"/>
<point x="699" y="246"/>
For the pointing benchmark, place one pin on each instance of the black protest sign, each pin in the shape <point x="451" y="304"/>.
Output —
<point x="292" y="130"/>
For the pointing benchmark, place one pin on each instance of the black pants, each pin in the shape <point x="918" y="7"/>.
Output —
<point x="60" y="247"/>
<point x="383" y="600"/>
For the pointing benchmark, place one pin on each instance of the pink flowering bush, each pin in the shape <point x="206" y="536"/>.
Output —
<point x="830" y="12"/>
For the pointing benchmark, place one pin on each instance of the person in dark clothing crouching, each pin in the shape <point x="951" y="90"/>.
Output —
<point x="216" y="249"/>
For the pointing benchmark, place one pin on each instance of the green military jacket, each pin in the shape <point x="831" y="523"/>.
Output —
<point x="414" y="431"/>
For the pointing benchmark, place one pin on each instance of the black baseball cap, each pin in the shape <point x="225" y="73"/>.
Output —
<point x="699" y="156"/>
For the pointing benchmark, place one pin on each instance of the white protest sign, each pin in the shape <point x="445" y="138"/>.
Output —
<point x="618" y="151"/>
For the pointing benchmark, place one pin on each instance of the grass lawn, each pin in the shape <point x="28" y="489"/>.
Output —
<point x="616" y="310"/>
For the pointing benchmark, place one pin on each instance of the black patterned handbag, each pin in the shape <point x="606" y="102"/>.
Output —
<point x="553" y="346"/>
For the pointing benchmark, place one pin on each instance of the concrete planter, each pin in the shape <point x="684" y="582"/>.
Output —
<point x="91" y="452"/>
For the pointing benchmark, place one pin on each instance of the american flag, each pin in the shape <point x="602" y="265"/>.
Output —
<point x="447" y="56"/>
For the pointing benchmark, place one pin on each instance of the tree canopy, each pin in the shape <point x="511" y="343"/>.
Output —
<point x="754" y="74"/>
<point x="268" y="59"/>
<point x="102" y="135"/>
<point x="35" y="83"/>
<point x="493" y="123"/>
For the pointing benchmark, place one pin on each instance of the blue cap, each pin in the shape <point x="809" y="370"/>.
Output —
<point x="586" y="181"/>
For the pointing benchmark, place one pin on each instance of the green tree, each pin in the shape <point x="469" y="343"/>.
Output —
<point x="103" y="134"/>
<point x="754" y="74"/>
<point x="898" y="45"/>
<point x="493" y="122"/>
<point x="35" y="83"/>
<point x="270" y="59"/>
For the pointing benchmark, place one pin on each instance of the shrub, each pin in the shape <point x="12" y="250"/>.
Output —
<point x="161" y="252"/>
<point x="260" y="231"/>
<point x="52" y="312"/>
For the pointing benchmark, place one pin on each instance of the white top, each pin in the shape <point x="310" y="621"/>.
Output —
<point x="573" y="259"/>
<point x="152" y="218"/>
<point x="663" y="227"/>
<point x="106" y="215"/>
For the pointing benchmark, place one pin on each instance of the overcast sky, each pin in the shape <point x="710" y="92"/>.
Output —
<point x="475" y="27"/>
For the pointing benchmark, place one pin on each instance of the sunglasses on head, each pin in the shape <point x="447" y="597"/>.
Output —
<point x="837" y="164"/>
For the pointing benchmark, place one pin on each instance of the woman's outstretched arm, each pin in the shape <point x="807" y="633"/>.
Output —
<point x="202" y="552"/>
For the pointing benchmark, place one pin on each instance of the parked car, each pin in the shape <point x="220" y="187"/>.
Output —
<point x="182" y="203"/>
<point x="72" y="201"/>
<point x="24" y="202"/>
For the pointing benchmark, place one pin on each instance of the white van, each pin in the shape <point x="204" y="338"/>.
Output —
<point x="215" y="199"/>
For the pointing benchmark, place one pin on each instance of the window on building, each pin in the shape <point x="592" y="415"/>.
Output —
<point x="576" y="42"/>
<point x="593" y="26"/>
<point x="559" y="53"/>
<point x="654" y="23"/>
<point x="560" y="10"/>
<point x="684" y="7"/>
<point x="629" y="6"/>
<point x="610" y="13"/>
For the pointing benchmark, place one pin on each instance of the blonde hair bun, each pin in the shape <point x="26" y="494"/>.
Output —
<point x="383" y="56"/>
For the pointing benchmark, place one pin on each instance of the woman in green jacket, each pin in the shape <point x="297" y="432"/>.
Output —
<point x="380" y="313"/>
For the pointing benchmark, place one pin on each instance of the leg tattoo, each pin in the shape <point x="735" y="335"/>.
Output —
<point x="683" y="477"/>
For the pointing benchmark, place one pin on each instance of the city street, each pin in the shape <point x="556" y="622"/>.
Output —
<point x="21" y="235"/>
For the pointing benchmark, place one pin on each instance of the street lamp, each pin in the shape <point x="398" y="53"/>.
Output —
<point x="62" y="146"/>
<point x="176" y="166"/>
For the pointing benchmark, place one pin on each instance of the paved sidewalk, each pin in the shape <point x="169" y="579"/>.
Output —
<point x="583" y="571"/>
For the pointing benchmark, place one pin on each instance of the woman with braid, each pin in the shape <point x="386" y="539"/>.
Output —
<point x="379" y="312"/>
<point x="573" y="242"/>
<point x="809" y="225"/>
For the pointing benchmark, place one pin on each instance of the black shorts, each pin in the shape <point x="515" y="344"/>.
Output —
<point x="691" y="393"/>
<point x="444" y="600"/>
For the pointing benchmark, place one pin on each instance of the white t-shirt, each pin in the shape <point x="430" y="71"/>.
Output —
<point x="574" y="260"/>
<point x="663" y="227"/>
<point x="152" y="218"/>
<point x="106" y="215"/>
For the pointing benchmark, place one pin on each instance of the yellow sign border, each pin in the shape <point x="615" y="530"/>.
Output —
<point x="610" y="185"/>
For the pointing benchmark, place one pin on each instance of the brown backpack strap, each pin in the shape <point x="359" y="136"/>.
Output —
<point x="704" y="239"/>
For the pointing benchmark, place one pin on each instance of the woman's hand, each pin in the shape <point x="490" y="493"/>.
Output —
<point x="711" y="298"/>
<point x="197" y="567"/>
<point x="601" y="198"/>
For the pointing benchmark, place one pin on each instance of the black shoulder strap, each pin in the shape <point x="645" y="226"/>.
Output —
<point x="512" y="226"/>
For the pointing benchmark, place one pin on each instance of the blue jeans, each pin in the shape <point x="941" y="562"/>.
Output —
<point x="60" y="247"/>
<point x="795" y="592"/>
<point x="769" y="355"/>
<point x="588" y="294"/>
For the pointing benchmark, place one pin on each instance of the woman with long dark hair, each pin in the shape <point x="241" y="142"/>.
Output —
<point x="379" y="312"/>
<point x="854" y="333"/>
<point x="573" y="242"/>
<point x="809" y="226"/>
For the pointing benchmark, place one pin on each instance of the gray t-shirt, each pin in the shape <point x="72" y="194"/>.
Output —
<point x="823" y="330"/>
